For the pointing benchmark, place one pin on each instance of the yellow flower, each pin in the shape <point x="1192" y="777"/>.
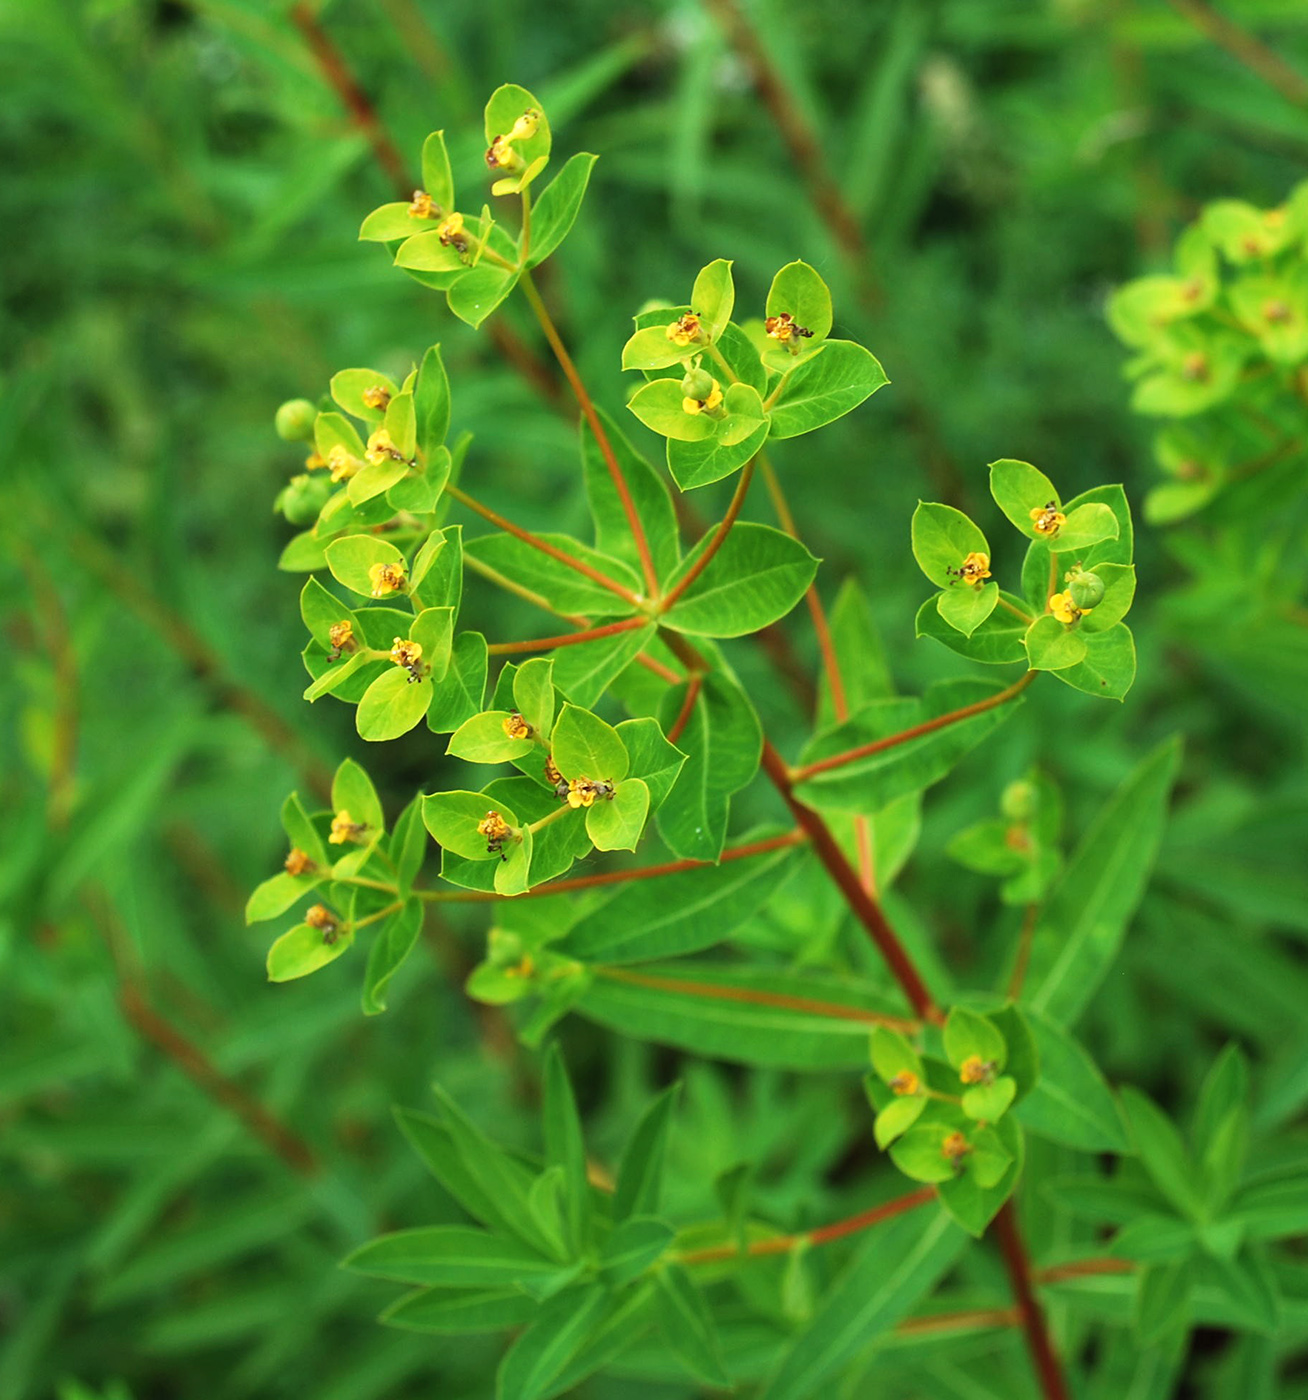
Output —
<point x="314" y="462"/>
<point x="955" y="1147"/>
<point x="496" y="831"/>
<point x="784" y="329"/>
<point x="905" y="1084"/>
<point x="408" y="655"/>
<point x="1195" y="367"/>
<point x="974" y="569"/>
<point x="581" y="793"/>
<point x="381" y="449"/>
<point x="341" y="636"/>
<point x="451" y="234"/>
<point x="526" y="126"/>
<point x="975" y="1070"/>
<point x="378" y="396"/>
<point x="501" y="155"/>
<point x="386" y="579"/>
<point x="1047" y="519"/>
<point x="343" y="462"/>
<point x="685" y="330"/>
<point x="516" y="727"/>
<point x="322" y="918"/>
<point x="298" y="862"/>
<point x="344" y="828"/>
<point x="710" y="405"/>
<point x="424" y="206"/>
<point x="1064" y="609"/>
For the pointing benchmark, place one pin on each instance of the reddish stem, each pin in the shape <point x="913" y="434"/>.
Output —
<point x="867" y="910"/>
<point x="1246" y="49"/>
<point x="568" y="639"/>
<point x="545" y="547"/>
<point x="824" y="765"/>
<point x="687" y="707"/>
<point x="780" y="1244"/>
<point x="1083" y="1268"/>
<point x="715" y="991"/>
<point x="716" y="543"/>
<point x="1024" y="939"/>
<point x="601" y="437"/>
<point x="1033" y="1319"/>
<point x="960" y="1321"/>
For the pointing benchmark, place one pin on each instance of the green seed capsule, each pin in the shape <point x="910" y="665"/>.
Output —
<point x="698" y="384"/>
<point x="294" y="421"/>
<point x="302" y="498"/>
<point x="1018" y="802"/>
<point x="1086" y="590"/>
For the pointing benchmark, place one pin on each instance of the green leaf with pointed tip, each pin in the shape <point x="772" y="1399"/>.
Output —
<point x="300" y="830"/>
<point x="635" y="1246"/>
<point x="449" y="1256"/>
<point x="653" y="759"/>
<point x="335" y="675"/>
<point x="965" y="608"/>
<point x="513" y="869"/>
<point x="321" y="611"/>
<point x="388" y="222"/>
<point x="431" y="403"/>
<point x="391" y="946"/>
<point x="897" y="1118"/>
<point x="989" y="1102"/>
<point x="757" y="576"/>
<point x="617" y="824"/>
<point x="714" y="297"/>
<point x="353" y="792"/>
<point x="687" y="1327"/>
<point x="1070" y="1102"/>
<point x="482" y="740"/>
<point x="452" y="819"/>
<point x="640" y="1172"/>
<point x="648" y="492"/>
<point x="973" y="1196"/>
<point x="303" y="950"/>
<point x="275" y="895"/>
<point x="1162" y="1306"/>
<point x="824" y="388"/>
<point x="541" y="1353"/>
<point x="968" y="1034"/>
<point x="557" y="207"/>
<point x="533" y="693"/>
<point x="453" y="1313"/>
<point x="392" y="705"/>
<point x="584" y="746"/>
<point x="893" y="1053"/>
<point x="997" y="641"/>
<point x="351" y="558"/>
<point x="1108" y="669"/>
<point x="436" y="177"/>
<point x="564" y="1145"/>
<point x="1018" y="489"/>
<point x="477" y="293"/>
<point x="1163" y="1153"/>
<point x="460" y="694"/>
<point x="402" y="425"/>
<point x="942" y="539"/>
<point x="1053" y="646"/>
<point x="433" y="630"/>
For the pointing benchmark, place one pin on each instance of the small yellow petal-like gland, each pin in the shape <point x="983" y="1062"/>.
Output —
<point x="378" y="396"/>
<point x="521" y="969"/>
<point x="424" y="206"/>
<point x="344" y="828"/>
<point x="905" y="1084"/>
<point x="975" y="569"/>
<point x="341" y="636"/>
<point x="975" y="1070"/>
<point x="386" y="579"/>
<point x="515" y="727"/>
<point x="408" y="655"/>
<point x="1047" y="519"/>
<point x="452" y="235"/>
<point x="381" y="449"/>
<point x="501" y="156"/>
<point x="581" y="793"/>
<point x="298" y="863"/>
<point x="955" y="1147"/>
<point x="322" y="918"/>
<point x="496" y="831"/>
<point x="527" y="125"/>
<point x="784" y="329"/>
<point x="711" y="405"/>
<point x="685" y="330"/>
<point x="1195" y="367"/>
<point x="315" y="462"/>
<point x="343" y="462"/>
<point x="1064" y="609"/>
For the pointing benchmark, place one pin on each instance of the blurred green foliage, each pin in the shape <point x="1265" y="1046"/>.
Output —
<point x="180" y="200"/>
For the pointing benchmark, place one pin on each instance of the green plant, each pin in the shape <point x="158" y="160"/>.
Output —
<point x="589" y="1268"/>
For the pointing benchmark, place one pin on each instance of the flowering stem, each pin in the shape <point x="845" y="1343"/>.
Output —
<point x="568" y="639"/>
<point x="380" y="914"/>
<point x="1017" y="612"/>
<point x="687" y="707"/>
<point x="753" y="996"/>
<point x="1033" y="1319"/>
<point x="825" y="765"/>
<point x="561" y="811"/>
<point x="544" y="546"/>
<point x="716" y="542"/>
<point x="783" y="1244"/>
<point x="601" y="437"/>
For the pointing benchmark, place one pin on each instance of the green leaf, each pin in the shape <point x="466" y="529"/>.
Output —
<point x="1109" y="666"/>
<point x="507" y="104"/>
<point x="660" y="406"/>
<point x="487" y="1184"/>
<point x="1163" y="1154"/>
<point x="1162" y="1302"/>
<point x="989" y="1102"/>
<point x="1119" y="594"/>
<point x="763" y="1017"/>
<point x="1082" y="926"/>
<point x="617" y="824"/>
<point x="452" y="819"/>
<point x="347" y="388"/>
<point x="700" y="463"/>
<point x="1086" y="525"/>
<point x="353" y="792"/>
<point x="965" y="608"/>
<point x="300" y="830"/>
<point x="563" y="588"/>
<point x="482" y="740"/>
<point x="974" y="1195"/>
<point x="942" y="539"/>
<point x="564" y="1145"/>
<point x="893" y="1054"/>
<point x="477" y="293"/>
<point x="449" y="1256"/>
<point x="392" y="944"/>
<point x="1247" y="1287"/>
<point x="584" y="746"/>
<point x="1155" y="1239"/>
<point x="756" y="577"/>
<point x="1018" y="489"/>
<point x="825" y="387"/>
<point x="694" y="909"/>
<point x="388" y="222"/>
<point x="513" y="869"/>
<point x="540" y="1354"/>
<point x="869" y="783"/>
<point x="351" y="558"/>
<point x="713" y="298"/>
<point x="895" y="1268"/>
<point x="431" y="401"/>
<point x="338" y="675"/>
<point x="648" y="494"/>
<point x="635" y="1246"/>
<point x="584" y="671"/>
<point x="920" y="1154"/>
<point x="897" y="1118"/>
<point x="686" y="1325"/>
<point x="436" y="177"/>
<point x="1052" y="646"/>
<point x="305" y="949"/>
<point x="277" y="894"/>
<point x="798" y="291"/>
<point x="557" y="207"/>
<point x="654" y="760"/>
<point x="451" y="1313"/>
<point x="640" y="1172"/>
<point x="392" y="705"/>
<point x="460" y="695"/>
<point x="533" y="693"/>
<point x="1070" y="1102"/>
<point x="998" y="640"/>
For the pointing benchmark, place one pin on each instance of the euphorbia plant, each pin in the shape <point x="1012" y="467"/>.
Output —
<point x="629" y="731"/>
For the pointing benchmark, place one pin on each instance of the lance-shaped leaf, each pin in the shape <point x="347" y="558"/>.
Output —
<point x="450" y="1256"/>
<point x="824" y="388"/>
<point x="686" y="1325"/>
<point x="558" y="1333"/>
<point x="1070" y="1102"/>
<point x="557" y="207"/>
<point x="757" y="576"/>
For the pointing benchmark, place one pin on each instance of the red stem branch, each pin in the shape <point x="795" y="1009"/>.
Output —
<point x="687" y="707"/>
<point x="568" y="639"/>
<point x="1016" y="1262"/>
<point x="718" y="540"/>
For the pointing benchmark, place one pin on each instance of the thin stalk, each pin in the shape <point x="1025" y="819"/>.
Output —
<point x="1046" y="1363"/>
<point x="562" y="811"/>
<point x="1083" y="1268"/>
<point x="753" y="996"/>
<point x="1247" y="49"/>
<point x="959" y="1321"/>
<point x="378" y="916"/>
<point x="1017" y="612"/>
<point x="718" y="540"/>
<point x="825" y="765"/>
<point x="687" y="707"/>
<point x="568" y="639"/>
<point x="601" y="437"/>
<point x="783" y="1244"/>
<point x="544" y="546"/>
<point x="1024" y="938"/>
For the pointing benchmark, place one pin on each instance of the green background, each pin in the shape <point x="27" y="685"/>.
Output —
<point x="180" y="198"/>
